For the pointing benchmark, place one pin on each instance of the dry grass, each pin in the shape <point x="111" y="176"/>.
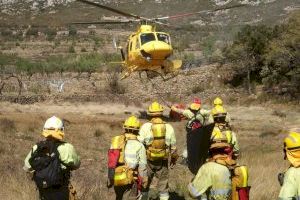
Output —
<point x="259" y="132"/>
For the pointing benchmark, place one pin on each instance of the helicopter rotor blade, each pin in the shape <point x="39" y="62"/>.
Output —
<point x="199" y="12"/>
<point x="112" y="9"/>
<point x="106" y="22"/>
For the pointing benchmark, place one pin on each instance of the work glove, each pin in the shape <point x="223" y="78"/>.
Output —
<point x="281" y="178"/>
<point x="174" y="158"/>
<point x="109" y="183"/>
<point x="144" y="183"/>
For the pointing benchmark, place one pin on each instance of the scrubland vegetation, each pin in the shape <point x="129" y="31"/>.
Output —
<point x="258" y="56"/>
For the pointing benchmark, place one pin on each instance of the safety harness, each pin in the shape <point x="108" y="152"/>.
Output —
<point x="123" y="175"/>
<point x="158" y="150"/>
<point x="239" y="176"/>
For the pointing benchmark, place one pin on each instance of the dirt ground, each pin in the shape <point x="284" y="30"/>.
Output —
<point x="90" y="126"/>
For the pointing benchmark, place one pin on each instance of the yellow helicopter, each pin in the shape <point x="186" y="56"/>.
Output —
<point x="147" y="49"/>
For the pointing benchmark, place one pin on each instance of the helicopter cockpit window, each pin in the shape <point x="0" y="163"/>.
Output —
<point x="163" y="37"/>
<point x="147" y="37"/>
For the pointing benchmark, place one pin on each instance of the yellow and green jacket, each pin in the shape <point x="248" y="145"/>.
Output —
<point x="204" y="116"/>
<point x="186" y="112"/>
<point x="290" y="189"/>
<point x="212" y="182"/>
<point x="67" y="156"/>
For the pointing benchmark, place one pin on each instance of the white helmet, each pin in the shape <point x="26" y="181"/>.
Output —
<point x="54" y="123"/>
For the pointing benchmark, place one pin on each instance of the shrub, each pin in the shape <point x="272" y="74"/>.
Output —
<point x="92" y="32"/>
<point x="32" y="32"/>
<point x="98" y="41"/>
<point x="72" y="31"/>
<point x="269" y="56"/>
<point x="6" y="33"/>
<point x="113" y="83"/>
<point x="98" y="133"/>
<point x="198" y="89"/>
<point x="51" y="33"/>
<point x="72" y="49"/>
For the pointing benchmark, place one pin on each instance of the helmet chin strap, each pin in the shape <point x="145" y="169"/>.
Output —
<point x="284" y="152"/>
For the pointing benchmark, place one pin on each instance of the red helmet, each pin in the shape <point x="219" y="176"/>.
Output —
<point x="197" y="100"/>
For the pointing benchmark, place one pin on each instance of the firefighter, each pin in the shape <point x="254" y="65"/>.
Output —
<point x="196" y="115"/>
<point x="220" y="178"/>
<point x="221" y="128"/>
<point x="290" y="180"/>
<point x="217" y="104"/>
<point x="51" y="162"/>
<point x="191" y="111"/>
<point x="127" y="162"/>
<point x="213" y="180"/>
<point x="160" y="141"/>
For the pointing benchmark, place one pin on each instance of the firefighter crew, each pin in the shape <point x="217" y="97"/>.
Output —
<point x="222" y="130"/>
<point x="290" y="188"/>
<point x="53" y="133"/>
<point x="213" y="180"/>
<point x="219" y="103"/>
<point x="160" y="141"/>
<point x="127" y="162"/>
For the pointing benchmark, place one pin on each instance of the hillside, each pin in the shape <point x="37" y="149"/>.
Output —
<point x="17" y="12"/>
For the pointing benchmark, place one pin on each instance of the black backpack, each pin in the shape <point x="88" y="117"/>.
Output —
<point x="46" y="165"/>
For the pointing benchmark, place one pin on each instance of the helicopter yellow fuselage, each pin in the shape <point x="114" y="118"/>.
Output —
<point x="148" y="50"/>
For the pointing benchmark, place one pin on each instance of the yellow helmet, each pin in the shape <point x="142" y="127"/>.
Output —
<point x="132" y="123"/>
<point x="155" y="109"/>
<point x="218" y="101"/>
<point x="292" y="141"/>
<point x="292" y="147"/>
<point x="195" y="106"/>
<point x="218" y="110"/>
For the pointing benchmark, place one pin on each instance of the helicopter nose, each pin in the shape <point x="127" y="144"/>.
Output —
<point x="158" y="50"/>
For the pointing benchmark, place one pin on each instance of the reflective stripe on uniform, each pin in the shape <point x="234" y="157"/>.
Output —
<point x="244" y="171"/>
<point x="164" y="196"/>
<point x="229" y="137"/>
<point x="158" y="155"/>
<point x="292" y="198"/>
<point x="130" y="155"/>
<point x="220" y="192"/>
<point x="120" y="176"/>
<point x="193" y="191"/>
